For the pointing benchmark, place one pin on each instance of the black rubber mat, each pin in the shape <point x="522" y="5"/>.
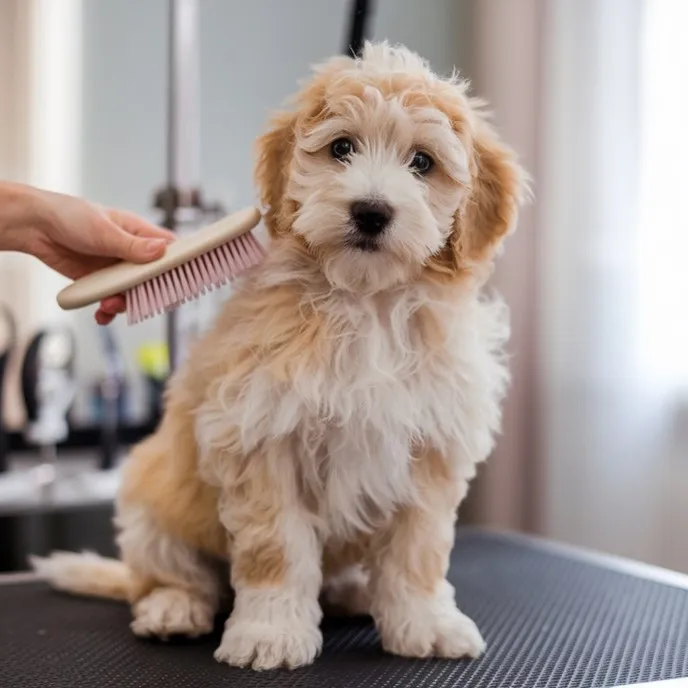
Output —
<point x="550" y="621"/>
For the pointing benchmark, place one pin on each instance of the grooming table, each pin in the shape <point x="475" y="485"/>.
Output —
<point x="551" y="616"/>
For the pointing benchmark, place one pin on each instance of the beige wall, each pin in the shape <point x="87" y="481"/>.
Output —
<point x="14" y="70"/>
<point x="39" y="126"/>
<point x="13" y="97"/>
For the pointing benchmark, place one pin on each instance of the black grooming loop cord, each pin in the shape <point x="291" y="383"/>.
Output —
<point x="359" y="23"/>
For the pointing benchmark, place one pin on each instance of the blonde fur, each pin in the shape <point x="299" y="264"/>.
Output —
<point x="85" y="574"/>
<point x="322" y="435"/>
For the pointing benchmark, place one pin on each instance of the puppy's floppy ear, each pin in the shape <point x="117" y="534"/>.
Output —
<point x="276" y="146"/>
<point x="491" y="208"/>
<point x="274" y="154"/>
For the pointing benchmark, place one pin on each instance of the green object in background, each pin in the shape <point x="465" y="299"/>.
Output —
<point x="154" y="360"/>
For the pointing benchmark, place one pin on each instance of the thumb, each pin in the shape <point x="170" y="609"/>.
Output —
<point x="120" y="244"/>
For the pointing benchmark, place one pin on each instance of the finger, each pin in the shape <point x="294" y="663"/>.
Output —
<point x="104" y="318"/>
<point x="113" y="305"/>
<point x="118" y="243"/>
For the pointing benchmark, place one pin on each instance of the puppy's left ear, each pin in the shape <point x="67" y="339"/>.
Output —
<point x="492" y="208"/>
<point x="490" y="211"/>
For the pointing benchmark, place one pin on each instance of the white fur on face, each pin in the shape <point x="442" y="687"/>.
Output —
<point x="386" y="135"/>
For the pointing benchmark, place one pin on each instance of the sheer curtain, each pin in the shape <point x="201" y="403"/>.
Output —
<point x="613" y="315"/>
<point x="663" y="239"/>
<point x="662" y="247"/>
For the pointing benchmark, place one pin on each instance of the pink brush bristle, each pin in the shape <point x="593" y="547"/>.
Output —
<point x="193" y="279"/>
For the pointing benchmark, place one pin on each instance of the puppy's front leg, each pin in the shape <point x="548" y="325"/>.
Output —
<point x="276" y="568"/>
<point x="412" y="602"/>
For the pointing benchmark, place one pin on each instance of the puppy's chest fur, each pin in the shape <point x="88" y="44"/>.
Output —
<point x="387" y="375"/>
<point x="389" y="385"/>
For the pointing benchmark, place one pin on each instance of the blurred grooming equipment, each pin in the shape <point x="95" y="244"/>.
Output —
<point x="49" y="388"/>
<point x="54" y="499"/>
<point x="8" y="338"/>
<point x="111" y="391"/>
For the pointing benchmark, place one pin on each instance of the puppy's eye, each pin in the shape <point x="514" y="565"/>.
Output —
<point x="422" y="163"/>
<point x="342" y="149"/>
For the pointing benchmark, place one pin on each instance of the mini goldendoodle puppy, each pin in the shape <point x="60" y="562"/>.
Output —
<point x="322" y="435"/>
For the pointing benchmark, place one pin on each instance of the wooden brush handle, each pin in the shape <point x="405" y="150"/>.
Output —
<point x="122" y="276"/>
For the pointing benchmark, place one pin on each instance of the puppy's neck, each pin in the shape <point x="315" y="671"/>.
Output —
<point x="290" y="263"/>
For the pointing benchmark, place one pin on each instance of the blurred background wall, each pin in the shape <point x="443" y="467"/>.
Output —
<point x="590" y="93"/>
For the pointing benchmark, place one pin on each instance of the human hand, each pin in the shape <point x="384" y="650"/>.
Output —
<point x="76" y="238"/>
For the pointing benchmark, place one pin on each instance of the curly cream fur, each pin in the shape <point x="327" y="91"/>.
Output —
<point x="322" y="435"/>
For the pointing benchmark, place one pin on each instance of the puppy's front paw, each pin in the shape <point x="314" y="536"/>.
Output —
<point x="434" y="632"/>
<point x="262" y="645"/>
<point x="167" y="611"/>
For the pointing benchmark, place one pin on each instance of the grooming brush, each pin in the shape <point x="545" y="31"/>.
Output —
<point x="192" y="266"/>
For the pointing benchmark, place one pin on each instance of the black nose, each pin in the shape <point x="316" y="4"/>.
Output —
<point x="371" y="217"/>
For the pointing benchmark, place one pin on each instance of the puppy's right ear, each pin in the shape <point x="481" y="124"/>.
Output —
<point x="275" y="149"/>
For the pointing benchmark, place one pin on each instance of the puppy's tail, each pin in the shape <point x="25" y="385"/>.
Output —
<point x="85" y="574"/>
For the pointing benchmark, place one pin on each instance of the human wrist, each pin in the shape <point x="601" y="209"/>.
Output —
<point x="20" y="215"/>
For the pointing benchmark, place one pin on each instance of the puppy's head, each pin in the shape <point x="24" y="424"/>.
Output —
<point x="385" y="172"/>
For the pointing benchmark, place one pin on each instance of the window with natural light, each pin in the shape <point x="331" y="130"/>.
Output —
<point x="663" y="235"/>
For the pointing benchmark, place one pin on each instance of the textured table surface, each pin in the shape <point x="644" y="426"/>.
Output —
<point x="550" y="619"/>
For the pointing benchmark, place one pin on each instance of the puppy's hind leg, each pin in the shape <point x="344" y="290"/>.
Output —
<point x="176" y="589"/>
<point x="347" y="593"/>
<point x="346" y="581"/>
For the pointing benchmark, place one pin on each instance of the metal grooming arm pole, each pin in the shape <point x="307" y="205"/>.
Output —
<point x="181" y="192"/>
<point x="180" y="200"/>
<point x="183" y="143"/>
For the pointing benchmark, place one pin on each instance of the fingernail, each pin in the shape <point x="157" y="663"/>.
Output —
<point x="154" y="247"/>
